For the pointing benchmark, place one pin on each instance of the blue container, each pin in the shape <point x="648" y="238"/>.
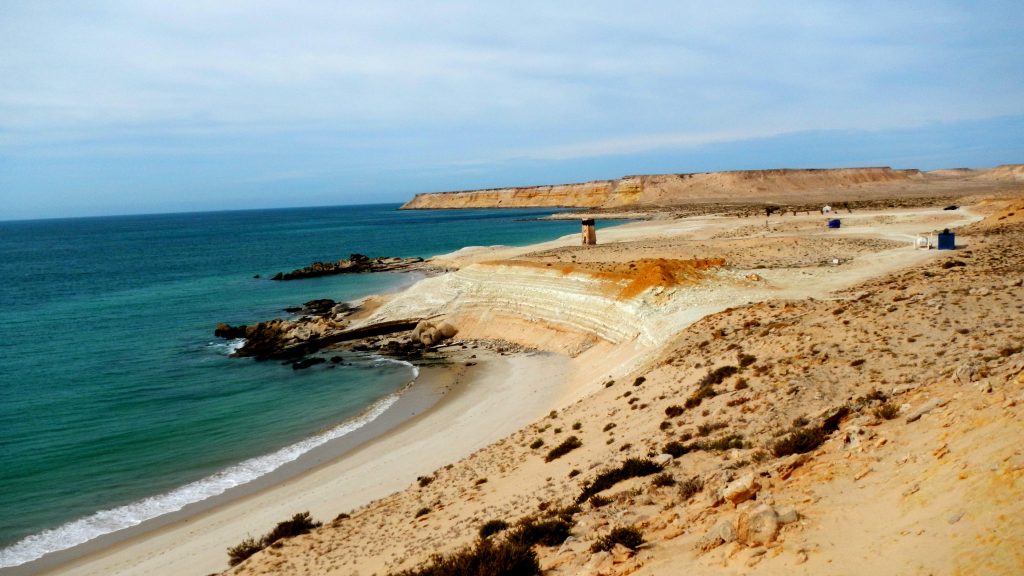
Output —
<point x="833" y="223"/>
<point x="947" y="240"/>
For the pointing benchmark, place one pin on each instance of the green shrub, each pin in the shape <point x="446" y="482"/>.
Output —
<point x="798" y="442"/>
<point x="492" y="527"/>
<point x="568" y="445"/>
<point x="536" y="443"/>
<point x="724" y="443"/>
<point x="718" y="375"/>
<point x="631" y="468"/>
<point x="246" y="548"/>
<point x="676" y="449"/>
<point x="422" y="512"/>
<point x="663" y="480"/>
<point x="673" y="411"/>
<point x="545" y="532"/>
<point x="689" y="488"/>
<point x="709" y="427"/>
<point x="299" y="524"/>
<point x="628" y="536"/>
<point x="597" y="501"/>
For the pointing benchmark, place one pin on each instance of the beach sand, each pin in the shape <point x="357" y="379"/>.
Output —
<point x="485" y="402"/>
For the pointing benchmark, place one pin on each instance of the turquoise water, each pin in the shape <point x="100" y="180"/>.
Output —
<point x="116" y="402"/>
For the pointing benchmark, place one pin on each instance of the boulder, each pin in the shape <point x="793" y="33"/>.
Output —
<point x="663" y="459"/>
<point x="787" y="515"/>
<point x="722" y="533"/>
<point x="758" y="527"/>
<point x="742" y="489"/>
<point x="446" y="330"/>
<point x="228" y="331"/>
<point x="307" y="362"/>
<point x="966" y="373"/>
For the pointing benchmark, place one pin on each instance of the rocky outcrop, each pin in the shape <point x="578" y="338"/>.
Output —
<point x="676" y="189"/>
<point x="356" y="264"/>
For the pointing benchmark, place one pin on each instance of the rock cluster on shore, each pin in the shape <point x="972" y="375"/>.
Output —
<point x="324" y="323"/>
<point x="356" y="264"/>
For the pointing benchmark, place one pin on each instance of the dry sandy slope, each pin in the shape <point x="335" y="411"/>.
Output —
<point x="939" y="495"/>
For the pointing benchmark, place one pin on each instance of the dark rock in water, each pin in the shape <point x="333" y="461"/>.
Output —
<point x="318" y="307"/>
<point x="337" y="359"/>
<point x="256" y="276"/>
<point x="293" y="309"/>
<point x="356" y="264"/>
<point x="307" y="362"/>
<point x="228" y="331"/>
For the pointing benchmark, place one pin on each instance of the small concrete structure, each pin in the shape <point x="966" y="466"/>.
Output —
<point x="589" y="232"/>
<point x="924" y="241"/>
<point x="826" y="209"/>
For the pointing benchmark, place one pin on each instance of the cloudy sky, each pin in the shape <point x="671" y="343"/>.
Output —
<point x="111" y="107"/>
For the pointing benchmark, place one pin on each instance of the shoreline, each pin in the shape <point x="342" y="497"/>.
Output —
<point x="447" y="413"/>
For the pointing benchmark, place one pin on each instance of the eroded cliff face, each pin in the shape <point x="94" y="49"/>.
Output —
<point x="675" y="189"/>
<point x="565" y="311"/>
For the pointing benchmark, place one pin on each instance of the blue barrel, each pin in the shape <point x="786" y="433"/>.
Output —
<point x="833" y="223"/>
<point x="947" y="240"/>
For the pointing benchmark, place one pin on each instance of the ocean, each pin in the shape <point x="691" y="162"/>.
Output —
<point x="118" y="405"/>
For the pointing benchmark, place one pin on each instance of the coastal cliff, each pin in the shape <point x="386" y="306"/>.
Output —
<point x="675" y="189"/>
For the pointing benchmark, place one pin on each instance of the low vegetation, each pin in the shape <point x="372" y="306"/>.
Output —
<point x="690" y="487"/>
<point x="799" y="441"/>
<point x="568" y="445"/>
<point x="663" y="480"/>
<point x="300" y="523"/>
<point x="483" y="558"/>
<point x="628" y="536"/>
<point x="492" y="527"/>
<point x="631" y="468"/>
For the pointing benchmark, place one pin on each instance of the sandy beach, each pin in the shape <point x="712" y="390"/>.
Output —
<point x="617" y="356"/>
<point x="485" y="403"/>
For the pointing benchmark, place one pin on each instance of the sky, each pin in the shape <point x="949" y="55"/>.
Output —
<point x="122" y="107"/>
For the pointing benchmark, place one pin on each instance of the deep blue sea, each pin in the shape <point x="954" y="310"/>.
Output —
<point x="117" y="404"/>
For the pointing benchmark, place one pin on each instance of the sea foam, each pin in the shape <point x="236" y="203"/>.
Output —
<point x="106" y="521"/>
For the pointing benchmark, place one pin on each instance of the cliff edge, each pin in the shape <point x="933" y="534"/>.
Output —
<point x="675" y="189"/>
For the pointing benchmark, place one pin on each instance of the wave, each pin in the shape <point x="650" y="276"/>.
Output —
<point x="377" y="361"/>
<point x="229" y="347"/>
<point x="106" y="521"/>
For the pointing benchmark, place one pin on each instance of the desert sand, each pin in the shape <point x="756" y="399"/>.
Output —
<point x="906" y="365"/>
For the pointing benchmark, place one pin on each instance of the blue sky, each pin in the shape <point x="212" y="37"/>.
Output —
<point x="134" y="107"/>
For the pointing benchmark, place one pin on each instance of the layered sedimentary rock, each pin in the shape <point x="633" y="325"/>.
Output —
<point x="675" y="189"/>
<point x="555" y="310"/>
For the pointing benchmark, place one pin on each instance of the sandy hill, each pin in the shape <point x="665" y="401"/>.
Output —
<point x="848" y="405"/>
<point x="746" y="186"/>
